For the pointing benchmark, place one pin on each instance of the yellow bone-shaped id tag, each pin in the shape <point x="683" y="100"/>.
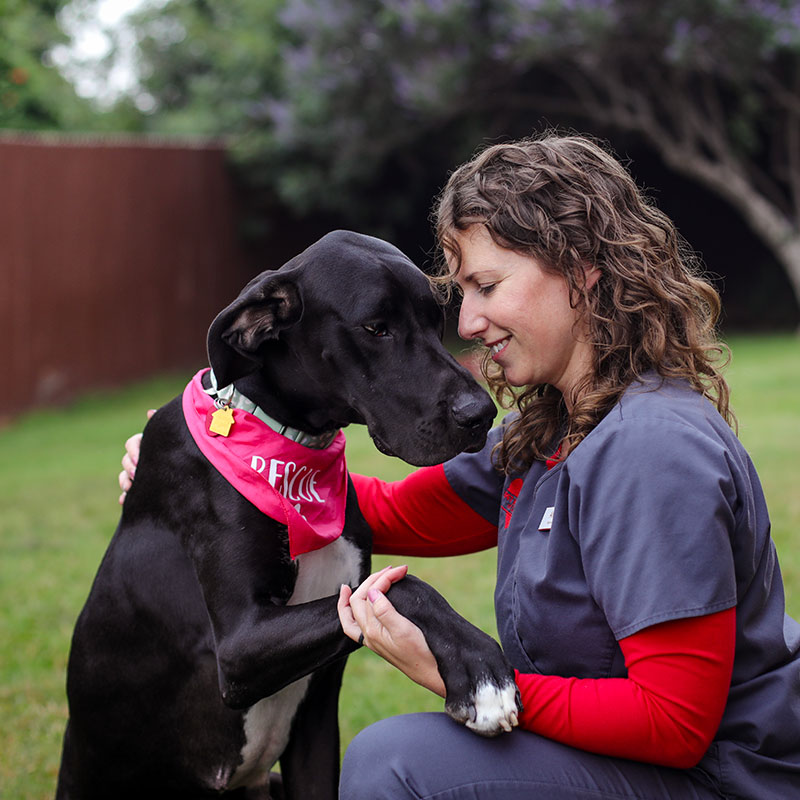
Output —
<point x="221" y="421"/>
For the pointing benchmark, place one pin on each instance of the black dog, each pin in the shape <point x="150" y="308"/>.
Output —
<point x="204" y="652"/>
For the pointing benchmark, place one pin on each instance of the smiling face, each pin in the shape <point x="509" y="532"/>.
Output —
<point x="521" y="312"/>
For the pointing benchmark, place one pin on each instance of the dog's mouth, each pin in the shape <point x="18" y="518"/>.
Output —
<point x="382" y="446"/>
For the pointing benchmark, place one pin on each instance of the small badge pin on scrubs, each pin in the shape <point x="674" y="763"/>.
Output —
<point x="547" y="519"/>
<point x="221" y="421"/>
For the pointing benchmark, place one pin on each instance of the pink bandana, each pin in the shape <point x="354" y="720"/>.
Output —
<point x="301" y="487"/>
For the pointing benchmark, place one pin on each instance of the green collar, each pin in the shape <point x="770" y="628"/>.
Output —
<point x="231" y="396"/>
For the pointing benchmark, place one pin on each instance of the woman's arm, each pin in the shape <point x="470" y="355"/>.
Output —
<point x="421" y="515"/>
<point x="666" y="711"/>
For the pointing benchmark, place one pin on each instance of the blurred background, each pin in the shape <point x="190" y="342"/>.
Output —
<point x="156" y="154"/>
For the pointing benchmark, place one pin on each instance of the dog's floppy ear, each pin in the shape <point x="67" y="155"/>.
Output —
<point x="267" y="306"/>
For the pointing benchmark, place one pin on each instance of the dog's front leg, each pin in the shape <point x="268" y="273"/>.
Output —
<point x="268" y="648"/>
<point x="265" y="636"/>
<point x="481" y="691"/>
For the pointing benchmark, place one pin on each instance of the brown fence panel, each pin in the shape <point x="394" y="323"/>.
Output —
<point x="114" y="258"/>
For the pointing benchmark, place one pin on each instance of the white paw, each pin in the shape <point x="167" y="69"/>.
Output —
<point x="494" y="709"/>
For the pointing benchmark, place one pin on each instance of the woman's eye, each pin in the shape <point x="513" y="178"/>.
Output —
<point x="377" y="329"/>
<point x="487" y="288"/>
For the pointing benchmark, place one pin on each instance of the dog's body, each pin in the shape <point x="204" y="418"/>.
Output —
<point x="205" y="653"/>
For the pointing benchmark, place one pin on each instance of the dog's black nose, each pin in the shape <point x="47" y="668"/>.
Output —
<point x="471" y="412"/>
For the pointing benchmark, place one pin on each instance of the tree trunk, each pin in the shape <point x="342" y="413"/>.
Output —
<point x="692" y="141"/>
<point x="788" y="253"/>
<point x="764" y="218"/>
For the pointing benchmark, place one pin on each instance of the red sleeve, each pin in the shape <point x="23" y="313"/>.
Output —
<point x="421" y="515"/>
<point x="666" y="711"/>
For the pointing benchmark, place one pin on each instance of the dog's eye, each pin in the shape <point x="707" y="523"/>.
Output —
<point x="377" y="329"/>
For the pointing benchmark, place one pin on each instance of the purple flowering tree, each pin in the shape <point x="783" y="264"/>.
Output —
<point x="329" y="102"/>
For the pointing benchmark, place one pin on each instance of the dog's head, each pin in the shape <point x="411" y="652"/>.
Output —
<point x="350" y="331"/>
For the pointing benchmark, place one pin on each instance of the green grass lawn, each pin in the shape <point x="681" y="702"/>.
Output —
<point x="58" y="510"/>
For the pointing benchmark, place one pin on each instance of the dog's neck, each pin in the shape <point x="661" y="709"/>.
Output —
<point x="231" y="396"/>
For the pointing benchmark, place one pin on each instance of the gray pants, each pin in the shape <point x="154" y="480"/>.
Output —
<point x="430" y="756"/>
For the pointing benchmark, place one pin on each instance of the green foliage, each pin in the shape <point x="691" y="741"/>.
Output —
<point x="58" y="509"/>
<point x="209" y="66"/>
<point x="33" y="94"/>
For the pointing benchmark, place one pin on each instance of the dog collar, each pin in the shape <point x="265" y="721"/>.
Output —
<point x="232" y="397"/>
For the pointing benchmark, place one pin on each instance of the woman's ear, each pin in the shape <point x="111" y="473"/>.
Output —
<point x="592" y="275"/>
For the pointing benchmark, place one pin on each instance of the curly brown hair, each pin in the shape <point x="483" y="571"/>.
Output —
<point x="567" y="202"/>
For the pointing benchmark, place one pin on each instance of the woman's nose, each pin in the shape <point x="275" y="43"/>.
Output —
<point x="471" y="323"/>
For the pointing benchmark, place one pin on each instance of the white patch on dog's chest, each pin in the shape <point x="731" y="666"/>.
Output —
<point x="267" y="724"/>
<point x="323" y="571"/>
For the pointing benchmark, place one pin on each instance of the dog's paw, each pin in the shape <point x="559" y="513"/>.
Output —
<point x="490" y="710"/>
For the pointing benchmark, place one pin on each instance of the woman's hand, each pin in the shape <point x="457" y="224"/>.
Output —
<point x="130" y="460"/>
<point x="388" y="633"/>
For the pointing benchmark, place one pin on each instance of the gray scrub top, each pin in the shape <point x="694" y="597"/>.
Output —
<point x="657" y="515"/>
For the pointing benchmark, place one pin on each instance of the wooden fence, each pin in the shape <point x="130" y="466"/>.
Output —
<point x="114" y="257"/>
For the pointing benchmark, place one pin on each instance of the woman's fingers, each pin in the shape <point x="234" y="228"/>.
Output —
<point x="352" y="605"/>
<point x="346" y="618"/>
<point x="398" y="640"/>
<point x="380" y="580"/>
<point x="130" y="460"/>
<point x="380" y="616"/>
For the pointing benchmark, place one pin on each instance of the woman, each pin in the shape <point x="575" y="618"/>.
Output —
<point x="638" y="592"/>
